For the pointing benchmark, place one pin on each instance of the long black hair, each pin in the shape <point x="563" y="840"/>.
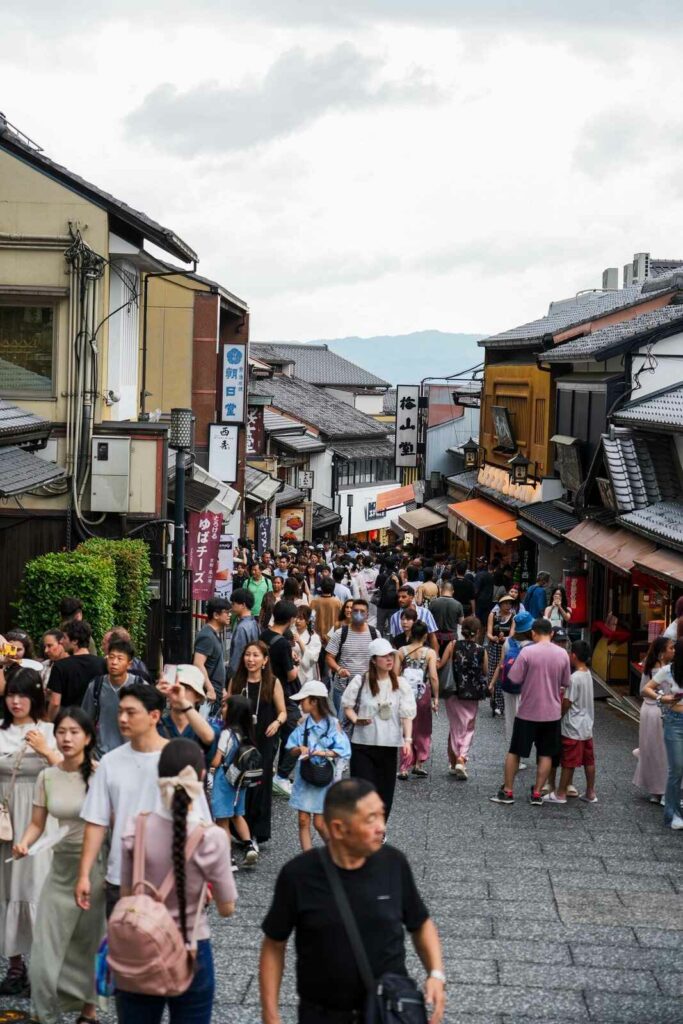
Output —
<point x="176" y="755"/>
<point x="23" y="638"/>
<point x="238" y="716"/>
<point x="86" y="724"/>
<point x="655" y="652"/>
<point x="25" y="682"/>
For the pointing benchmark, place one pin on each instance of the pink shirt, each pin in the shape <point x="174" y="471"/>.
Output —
<point x="544" y="671"/>
<point x="210" y="863"/>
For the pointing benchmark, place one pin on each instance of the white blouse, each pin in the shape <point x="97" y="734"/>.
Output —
<point x="382" y="732"/>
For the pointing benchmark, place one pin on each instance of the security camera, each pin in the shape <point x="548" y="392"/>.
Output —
<point x="111" y="397"/>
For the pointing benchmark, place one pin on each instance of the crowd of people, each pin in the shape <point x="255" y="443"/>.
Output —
<point x="316" y="682"/>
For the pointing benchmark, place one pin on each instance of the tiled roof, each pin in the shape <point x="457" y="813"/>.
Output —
<point x="383" y="449"/>
<point x="642" y="469"/>
<point x="21" y="471"/>
<point x="288" y="495"/>
<point x="550" y="516"/>
<point x="389" y="402"/>
<point x="300" y="442"/>
<point x="663" y="268"/>
<point x="18" y="426"/>
<point x="663" y="521"/>
<point x="500" y="498"/>
<point x="465" y="481"/>
<point x="260" y="486"/>
<point x="140" y="222"/>
<point x="588" y="307"/>
<point x="329" y="415"/>
<point x="317" y="364"/>
<point x="607" y="341"/>
<point x="274" y="422"/>
<point x="324" y="517"/>
<point x="661" y="409"/>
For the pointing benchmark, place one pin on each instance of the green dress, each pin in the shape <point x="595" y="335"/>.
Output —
<point x="65" y="938"/>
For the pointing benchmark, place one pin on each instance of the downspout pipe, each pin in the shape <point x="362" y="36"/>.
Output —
<point x="144" y="415"/>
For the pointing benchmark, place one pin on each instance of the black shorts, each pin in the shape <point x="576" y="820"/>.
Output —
<point x="545" y="736"/>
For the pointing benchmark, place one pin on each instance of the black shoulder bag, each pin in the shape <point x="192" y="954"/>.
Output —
<point x="391" y="999"/>
<point x="316" y="773"/>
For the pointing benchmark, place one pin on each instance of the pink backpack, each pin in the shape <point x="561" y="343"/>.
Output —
<point x="147" y="952"/>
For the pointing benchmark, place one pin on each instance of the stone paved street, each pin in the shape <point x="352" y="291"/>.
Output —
<point x="551" y="915"/>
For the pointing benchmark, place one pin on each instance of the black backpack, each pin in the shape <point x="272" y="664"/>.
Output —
<point x="246" y="769"/>
<point x="344" y="634"/>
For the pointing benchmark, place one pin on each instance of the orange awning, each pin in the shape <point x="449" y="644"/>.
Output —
<point x="395" y="498"/>
<point x="616" y="548"/>
<point x="496" y="522"/>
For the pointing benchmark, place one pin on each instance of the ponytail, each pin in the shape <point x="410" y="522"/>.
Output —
<point x="181" y="803"/>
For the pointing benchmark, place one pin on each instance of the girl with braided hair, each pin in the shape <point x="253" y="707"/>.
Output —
<point x="65" y="938"/>
<point x="182" y="769"/>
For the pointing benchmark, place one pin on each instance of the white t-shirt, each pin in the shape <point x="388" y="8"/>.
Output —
<point x="382" y="732"/>
<point x="124" y="785"/>
<point x="577" y="724"/>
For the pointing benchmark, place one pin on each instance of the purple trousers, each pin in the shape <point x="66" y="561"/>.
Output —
<point x="422" y="733"/>
<point x="462" y="716"/>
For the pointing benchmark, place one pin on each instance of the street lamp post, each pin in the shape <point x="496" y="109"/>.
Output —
<point x="349" y="506"/>
<point x="177" y="640"/>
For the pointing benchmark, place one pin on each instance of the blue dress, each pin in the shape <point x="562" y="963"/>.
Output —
<point x="225" y="801"/>
<point x="326" y="734"/>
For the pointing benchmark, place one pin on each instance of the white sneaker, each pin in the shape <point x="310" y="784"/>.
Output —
<point x="451" y="770"/>
<point x="460" y="771"/>
<point x="677" y="823"/>
<point x="522" y="766"/>
<point x="282" y="786"/>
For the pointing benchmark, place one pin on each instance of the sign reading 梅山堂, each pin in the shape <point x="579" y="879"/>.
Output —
<point x="233" y="383"/>
<point x="407" y="403"/>
<point x="203" y="539"/>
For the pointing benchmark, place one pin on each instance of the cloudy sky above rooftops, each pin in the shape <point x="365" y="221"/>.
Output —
<point x="370" y="166"/>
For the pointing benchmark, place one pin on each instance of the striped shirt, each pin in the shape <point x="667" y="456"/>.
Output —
<point x="354" y="655"/>
<point x="423" y="614"/>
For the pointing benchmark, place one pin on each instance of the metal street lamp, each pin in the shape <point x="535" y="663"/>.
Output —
<point x="179" y="439"/>
<point x="349" y="506"/>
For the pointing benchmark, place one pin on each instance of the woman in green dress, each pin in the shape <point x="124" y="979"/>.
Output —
<point x="65" y="938"/>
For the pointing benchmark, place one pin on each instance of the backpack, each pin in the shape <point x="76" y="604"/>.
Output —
<point x="514" y="647"/>
<point x="147" y="952"/>
<point x="417" y="676"/>
<point x="344" y="634"/>
<point x="246" y="768"/>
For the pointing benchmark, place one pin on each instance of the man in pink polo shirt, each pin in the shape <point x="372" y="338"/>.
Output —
<point x="544" y="672"/>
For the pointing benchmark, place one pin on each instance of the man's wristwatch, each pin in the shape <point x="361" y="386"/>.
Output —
<point x="439" y="975"/>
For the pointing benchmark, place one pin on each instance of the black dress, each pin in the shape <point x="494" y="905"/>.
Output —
<point x="260" y="798"/>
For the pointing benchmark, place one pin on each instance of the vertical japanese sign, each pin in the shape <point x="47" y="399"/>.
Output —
<point x="226" y="566"/>
<point x="263" y="528"/>
<point x="407" y="401"/>
<point x="223" y="443"/>
<point x="203" y="539"/>
<point x="233" y="383"/>
<point x="256" y="437"/>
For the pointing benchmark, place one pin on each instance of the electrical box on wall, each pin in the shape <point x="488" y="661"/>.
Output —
<point x="110" y="478"/>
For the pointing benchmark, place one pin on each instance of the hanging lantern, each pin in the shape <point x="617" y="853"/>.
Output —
<point x="471" y="451"/>
<point x="519" y="468"/>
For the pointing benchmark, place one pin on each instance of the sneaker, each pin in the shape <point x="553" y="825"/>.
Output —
<point x="676" y="825"/>
<point x="572" y="791"/>
<point x="403" y="776"/>
<point x="522" y="766"/>
<point x="547" y="788"/>
<point x="233" y="863"/>
<point x="16" y="984"/>
<point x="452" y="770"/>
<point x="536" y="799"/>
<point x="655" y="799"/>
<point x="282" y="786"/>
<point x="251" y="856"/>
<point x="502" y="797"/>
<point x="497" y="713"/>
<point x="553" y="798"/>
<point x="460" y="771"/>
<point x="420" y="773"/>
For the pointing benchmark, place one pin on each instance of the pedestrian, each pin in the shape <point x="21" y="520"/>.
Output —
<point x="347" y="652"/>
<point x="70" y="677"/>
<point x="543" y="671"/>
<point x="208" y="652"/>
<point x="265" y="617"/>
<point x="53" y="650"/>
<point x="378" y="884"/>
<point x="278" y="587"/>
<point x="27" y="745"/>
<point x="447" y="614"/>
<point x="309" y="644"/>
<point x="386" y="590"/>
<point x="408" y="620"/>
<point x="228" y="804"/>
<point x="326" y="609"/>
<point x="406" y="599"/>
<point x="578" y="715"/>
<point x="483" y="589"/>
<point x="558" y="611"/>
<point x="675" y="628"/>
<point x="381" y="707"/>
<point x="284" y="661"/>
<point x="500" y="625"/>
<point x="341" y="591"/>
<point x="417" y="664"/>
<point x="258" y="585"/>
<point x="463" y="588"/>
<point x="316" y="742"/>
<point x="511" y="691"/>
<point x="653" y="767"/>
<point x="183" y="718"/>
<point x="178" y="844"/>
<point x="467" y="687"/>
<point x="71" y="610"/>
<point x="427" y="590"/>
<point x="670" y="682"/>
<point x="101" y="699"/>
<point x="65" y="938"/>
<point x="245" y="629"/>
<point x="255" y="679"/>
<point x="345" y="612"/>
<point x="536" y="597"/>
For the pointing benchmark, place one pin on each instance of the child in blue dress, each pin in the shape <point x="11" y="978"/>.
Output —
<point x="318" y="737"/>
<point x="227" y="804"/>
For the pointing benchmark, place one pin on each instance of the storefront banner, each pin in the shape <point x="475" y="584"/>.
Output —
<point x="256" y="435"/>
<point x="223" y="448"/>
<point x="576" y="586"/>
<point x="203" y="539"/>
<point x="233" y="383"/>
<point x="226" y="565"/>
<point x="292" y="522"/>
<point x="407" y="403"/>
<point x="264" y="525"/>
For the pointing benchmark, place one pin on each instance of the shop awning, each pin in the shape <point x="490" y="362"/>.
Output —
<point x="324" y="518"/>
<point x="20" y="471"/>
<point x="665" y="565"/>
<point x="397" y="529"/>
<point x="496" y="522"/>
<point x="421" y="519"/>
<point x="537" y="535"/>
<point x="260" y="486"/>
<point x="394" y="498"/>
<point x="615" y="548"/>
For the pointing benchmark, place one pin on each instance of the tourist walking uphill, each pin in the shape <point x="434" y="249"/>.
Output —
<point x="464" y="689"/>
<point x="500" y="625"/>
<point x="416" y="663"/>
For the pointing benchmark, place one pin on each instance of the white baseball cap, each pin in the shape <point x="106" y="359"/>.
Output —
<point x="380" y="646"/>
<point x="311" y="689"/>
<point x="190" y="675"/>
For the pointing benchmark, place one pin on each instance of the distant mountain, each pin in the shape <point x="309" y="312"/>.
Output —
<point x="408" y="358"/>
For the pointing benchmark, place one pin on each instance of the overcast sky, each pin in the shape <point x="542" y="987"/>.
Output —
<point x="370" y="166"/>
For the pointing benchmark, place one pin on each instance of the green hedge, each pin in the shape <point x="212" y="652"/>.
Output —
<point x="133" y="572"/>
<point x="49" y="578"/>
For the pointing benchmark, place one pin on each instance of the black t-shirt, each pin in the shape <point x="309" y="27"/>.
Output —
<point x="463" y="591"/>
<point x="483" y="585"/>
<point x="70" y="677"/>
<point x="281" y="662"/>
<point x="384" y="900"/>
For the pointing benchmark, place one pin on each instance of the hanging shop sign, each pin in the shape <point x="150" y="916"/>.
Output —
<point x="223" y="447"/>
<point x="226" y="565"/>
<point x="263" y="528"/>
<point x="576" y="587"/>
<point x="304" y="480"/>
<point x="407" y="406"/>
<point x="256" y="435"/>
<point x="203" y="540"/>
<point x="233" y="383"/>
<point x="292" y="523"/>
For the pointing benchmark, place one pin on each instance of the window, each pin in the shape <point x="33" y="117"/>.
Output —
<point x="26" y="348"/>
<point x="365" y="471"/>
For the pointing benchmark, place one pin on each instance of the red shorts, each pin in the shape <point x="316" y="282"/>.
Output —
<point x="577" y="753"/>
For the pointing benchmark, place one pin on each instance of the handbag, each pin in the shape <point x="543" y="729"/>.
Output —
<point x="316" y="773"/>
<point x="392" y="998"/>
<point x="347" y="725"/>
<point x="6" y="826"/>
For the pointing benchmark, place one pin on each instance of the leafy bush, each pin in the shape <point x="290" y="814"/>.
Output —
<point x="133" y="572"/>
<point x="49" y="578"/>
